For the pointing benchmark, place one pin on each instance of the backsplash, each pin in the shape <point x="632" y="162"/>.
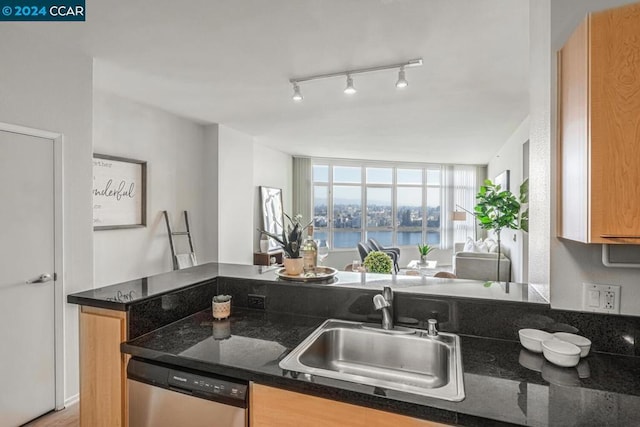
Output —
<point x="147" y="315"/>
<point x="482" y="318"/>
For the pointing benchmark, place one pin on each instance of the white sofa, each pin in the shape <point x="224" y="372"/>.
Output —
<point x="479" y="265"/>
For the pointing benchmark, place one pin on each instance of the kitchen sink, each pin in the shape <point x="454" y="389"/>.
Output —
<point x="402" y="359"/>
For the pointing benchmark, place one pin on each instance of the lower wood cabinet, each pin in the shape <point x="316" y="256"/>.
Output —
<point x="273" y="407"/>
<point x="103" y="385"/>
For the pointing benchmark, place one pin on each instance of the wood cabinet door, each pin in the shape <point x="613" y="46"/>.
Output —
<point x="573" y="123"/>
<point x="103" y="394"/>
<point x="273" y="407"/>
<point x="615" y="125"/>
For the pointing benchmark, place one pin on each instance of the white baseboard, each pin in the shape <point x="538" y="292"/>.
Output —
<point x="72" y="400"/>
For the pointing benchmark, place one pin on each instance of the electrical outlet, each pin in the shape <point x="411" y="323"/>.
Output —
<point x="601" y="298"/>
<point x="609" y="300"/>
<point x="256" y="301"/>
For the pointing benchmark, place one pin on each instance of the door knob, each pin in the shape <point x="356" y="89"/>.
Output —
<point x="45" y="277"/>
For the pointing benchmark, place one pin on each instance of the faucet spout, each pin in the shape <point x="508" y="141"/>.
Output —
<point x="384" y="302"/>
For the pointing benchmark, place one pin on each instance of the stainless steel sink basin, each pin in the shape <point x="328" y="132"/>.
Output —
<point x="408" y="360"/>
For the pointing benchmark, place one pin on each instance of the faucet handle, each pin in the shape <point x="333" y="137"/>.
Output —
<point x="380" y="302"/>
<point x="432" y="327"/>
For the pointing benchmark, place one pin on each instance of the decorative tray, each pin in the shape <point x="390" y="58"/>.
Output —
<point x="320" y="274"/>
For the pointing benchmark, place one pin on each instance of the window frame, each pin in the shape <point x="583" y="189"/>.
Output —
<point x="364" y="185"/>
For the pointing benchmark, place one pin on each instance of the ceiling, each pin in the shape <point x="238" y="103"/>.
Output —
<point x="230" y="62"/>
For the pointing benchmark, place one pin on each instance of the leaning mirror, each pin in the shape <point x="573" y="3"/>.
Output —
<point x="271" y="199"/>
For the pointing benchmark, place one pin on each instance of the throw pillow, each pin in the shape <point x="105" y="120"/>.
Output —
<point x="480" y="246"/>
<point x="492" y="245"/>
<point x="468" y="245"/>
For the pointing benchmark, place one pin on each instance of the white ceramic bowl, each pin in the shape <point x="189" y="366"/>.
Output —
<point x="584" y="371"/>
<point x="531" y="360"/>
<point x="561" y="353"/>
<point x="560" y="376"/>
<point x="531" y="339"/>
<point x="583" y="343"/>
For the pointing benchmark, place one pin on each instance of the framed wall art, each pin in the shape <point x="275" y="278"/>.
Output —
<point x="502" y="179"/>
<point x="119" y="192"/>
<point x="272" y="214"/>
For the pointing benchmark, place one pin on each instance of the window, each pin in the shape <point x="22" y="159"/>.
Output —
<point x="395" y="204"/>
<point x="379" y="199"/>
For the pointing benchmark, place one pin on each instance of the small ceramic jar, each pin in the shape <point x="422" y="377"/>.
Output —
<point x="221" y="310"/>
<point x="221" y="329"/>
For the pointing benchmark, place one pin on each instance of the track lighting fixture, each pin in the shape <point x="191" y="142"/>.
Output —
<point x="402" y="81"/>
<point x="350" y="88"/>
<point x="297" y="96"/>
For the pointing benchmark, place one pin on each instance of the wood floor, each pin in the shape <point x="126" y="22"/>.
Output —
<point x="68" y="417"/>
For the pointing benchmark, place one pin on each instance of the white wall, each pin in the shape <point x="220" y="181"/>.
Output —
<point x="49" y="87"/>
<point x="574" y="263"/>
<point x="210" y="159"/>
<point x="173" y="148"/>
<point x="509" y="157"/>
<point x="236" y="233"/>
<point x="271" y="168"/>
<point x="539" y="137"/>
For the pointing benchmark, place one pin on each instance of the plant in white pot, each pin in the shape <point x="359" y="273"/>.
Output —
<point x="425" y="250"/>
<point x="291" y="242"/>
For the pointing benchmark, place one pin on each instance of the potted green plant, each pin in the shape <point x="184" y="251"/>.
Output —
<point x="291" y="242"/>
<point x="497" y="209"/>
<point x="378" y="262"/>
<point x="424" y="251"/>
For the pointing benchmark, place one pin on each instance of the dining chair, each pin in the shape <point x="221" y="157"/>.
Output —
<point x="394" y="253"/>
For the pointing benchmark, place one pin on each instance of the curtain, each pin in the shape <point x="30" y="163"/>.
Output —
<point x="466" y="183"/>
<point x="301" y="200"/>
<point x="447" y="236"/>
<point x="459" y="187"/>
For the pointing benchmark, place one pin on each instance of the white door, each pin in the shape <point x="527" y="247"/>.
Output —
<point x="27" y="360"/>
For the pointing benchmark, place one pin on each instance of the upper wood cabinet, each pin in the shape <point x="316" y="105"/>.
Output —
<point x="599" y="129"/>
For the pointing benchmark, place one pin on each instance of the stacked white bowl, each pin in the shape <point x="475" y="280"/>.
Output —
<point x="562" y="349"/>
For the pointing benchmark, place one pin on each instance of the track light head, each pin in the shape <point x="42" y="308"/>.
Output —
<point x="350" y="89"/>
<point x="297" y="96"/>
<point x="402" y="81"/>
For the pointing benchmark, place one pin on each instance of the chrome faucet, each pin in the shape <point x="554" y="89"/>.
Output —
<point x="384" y="302"/>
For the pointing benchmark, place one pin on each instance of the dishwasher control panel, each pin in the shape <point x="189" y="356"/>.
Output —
<point x="204" y="385"/>
<point x="208" y="385"/>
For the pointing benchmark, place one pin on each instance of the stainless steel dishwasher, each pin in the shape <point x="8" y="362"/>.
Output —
<point x="161" y="396"/>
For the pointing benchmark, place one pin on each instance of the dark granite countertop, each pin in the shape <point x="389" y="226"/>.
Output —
<point x="122" y="295"/>
<point x="604" y="390"/>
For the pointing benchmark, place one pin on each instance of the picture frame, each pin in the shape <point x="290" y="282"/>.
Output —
<point x="272" y="213"/>
<point x="503" y="179"/>
<point x="119" y="192"/>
